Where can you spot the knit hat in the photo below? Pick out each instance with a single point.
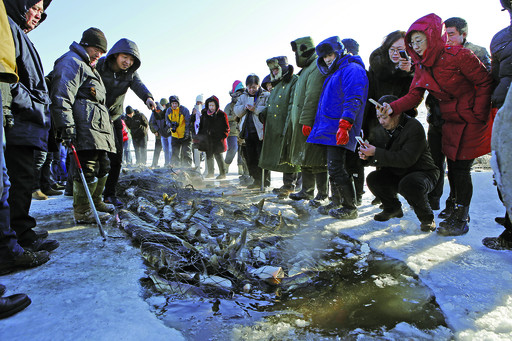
(174, 98)
(95, 38)
(200, 98)
(351, 46)
(237, 85)
(164, 102)
(129, 110)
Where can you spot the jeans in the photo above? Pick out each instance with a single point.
(166, 146)
(232, 149)
(9, 247)
(127, 153)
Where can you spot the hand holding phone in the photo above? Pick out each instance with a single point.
(374, 102)
(403, 54)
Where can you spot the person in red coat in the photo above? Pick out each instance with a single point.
(212, 135)
(463, 86)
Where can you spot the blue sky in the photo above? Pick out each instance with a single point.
(192, 47)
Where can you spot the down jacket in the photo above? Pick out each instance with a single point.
(78, 101)
(501, 52)
(30, 97)
(457, 78)
(213, 129)
(118, 83)
(344, 95)
(260, 103)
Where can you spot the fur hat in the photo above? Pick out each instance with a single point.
(280, 63)
(174, 98)
(328, 46)
(301, 45)
(351, 46)
(95, 38)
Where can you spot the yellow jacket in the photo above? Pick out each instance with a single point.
(7, 54)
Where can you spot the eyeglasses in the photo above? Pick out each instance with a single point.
(393, 51)
(417, 43)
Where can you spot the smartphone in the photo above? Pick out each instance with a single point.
(374, 102)
(359, 140)
(403, 54)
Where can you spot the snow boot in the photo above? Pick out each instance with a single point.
(349, 208)
(322, 186)
(96, 196)
(335, 202)
(389, 213)
(308, 188)
(81, 209)
(427, 223)
(457, 224)
(502, 242)
(449, 208)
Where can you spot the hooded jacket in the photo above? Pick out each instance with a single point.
(30, 97)
(457, 78)
(213, 129)
(344, 95)
(78, 101)
(118, 83)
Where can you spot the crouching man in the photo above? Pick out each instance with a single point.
(404, 165)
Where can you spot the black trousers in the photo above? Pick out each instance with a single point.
(459, 176)
(434, 138)
(414, 187)
(20, 168)
(252, 156)
(116, 160)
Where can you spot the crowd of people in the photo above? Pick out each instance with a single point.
(320, 127)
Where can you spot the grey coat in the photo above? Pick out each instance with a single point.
(78, 101)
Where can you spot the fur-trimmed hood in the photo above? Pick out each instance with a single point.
(328, 46)
(213, 99)
(17, 10)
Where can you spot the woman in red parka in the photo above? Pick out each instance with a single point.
(457, 78)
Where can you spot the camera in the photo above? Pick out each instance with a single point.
(174, 126)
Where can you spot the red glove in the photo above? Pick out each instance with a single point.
(342, 133)
(306, 130)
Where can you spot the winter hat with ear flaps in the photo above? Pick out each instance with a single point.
(328, 46)
(280, 62)
(302, 45)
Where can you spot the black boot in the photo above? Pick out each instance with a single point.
(502, 242)
(427, 223)
(13, 304)
(388, 213)
(308, 187)
(348, 209)
(335, 201)
(457, 224)
(448, 210)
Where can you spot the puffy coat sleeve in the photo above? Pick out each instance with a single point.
(412, 99)
(139, 88)
(311, 97)
(188, 126)
(66, 80)
(239, 108)
(353, 87)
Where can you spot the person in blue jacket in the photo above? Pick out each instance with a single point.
(338, 120)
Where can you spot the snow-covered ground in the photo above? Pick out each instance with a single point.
(90, 289)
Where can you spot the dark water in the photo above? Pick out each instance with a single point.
(351, 291)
